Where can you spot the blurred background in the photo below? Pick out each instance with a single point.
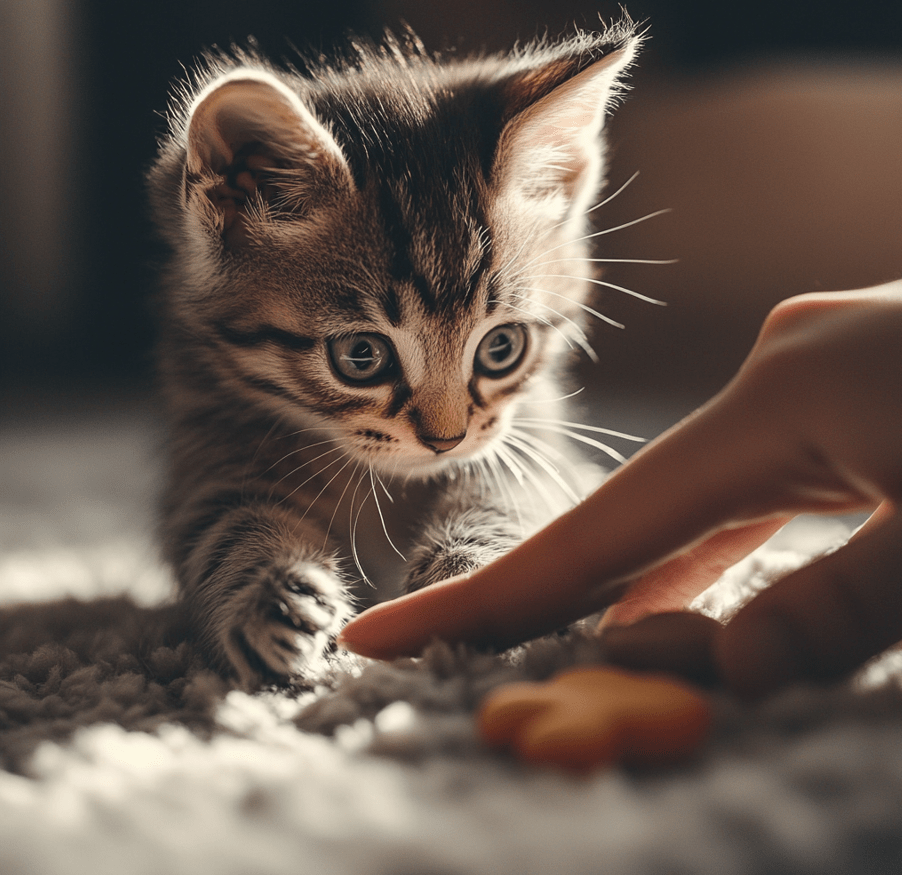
(773, 131)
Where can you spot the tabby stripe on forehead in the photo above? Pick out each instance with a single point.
(391, 304)
(486, 251)
(264, 334)
(399, 234)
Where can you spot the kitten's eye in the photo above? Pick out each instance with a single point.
(500, 350)
(361, 358)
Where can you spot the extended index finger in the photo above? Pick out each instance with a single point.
(705, 474)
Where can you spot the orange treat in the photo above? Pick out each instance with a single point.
(594, 716)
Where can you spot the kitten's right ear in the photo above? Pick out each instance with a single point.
(551, 150)
(252, 143)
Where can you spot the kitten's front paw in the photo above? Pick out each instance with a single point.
(283, 623)
(459, 546)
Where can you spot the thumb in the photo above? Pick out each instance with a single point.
(822, 621)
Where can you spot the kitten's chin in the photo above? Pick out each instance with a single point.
(419, 469)
(415, 467)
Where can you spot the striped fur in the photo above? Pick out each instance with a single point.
(374, 269)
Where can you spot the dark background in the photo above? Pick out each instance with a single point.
(85, 81)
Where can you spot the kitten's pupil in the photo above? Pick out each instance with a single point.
(500, 347)
(362, 356)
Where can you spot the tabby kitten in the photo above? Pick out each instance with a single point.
(375, 273)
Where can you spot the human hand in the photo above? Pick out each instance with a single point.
(812, 423)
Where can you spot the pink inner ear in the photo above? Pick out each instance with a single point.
(230, 198)
(252, 110)
(246, 125)
(554, 143)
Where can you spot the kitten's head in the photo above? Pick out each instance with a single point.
(388, 250)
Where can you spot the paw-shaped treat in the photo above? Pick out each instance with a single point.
(594, 716)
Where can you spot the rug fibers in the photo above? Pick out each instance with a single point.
(122, 752)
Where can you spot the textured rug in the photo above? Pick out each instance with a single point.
(121, 751)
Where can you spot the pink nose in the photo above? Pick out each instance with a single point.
(442, 444)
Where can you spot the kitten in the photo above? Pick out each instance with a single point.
(375, 274)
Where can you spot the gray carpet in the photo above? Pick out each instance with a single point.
(122, 752)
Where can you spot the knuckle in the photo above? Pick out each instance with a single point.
(835, 622)
(798, 310)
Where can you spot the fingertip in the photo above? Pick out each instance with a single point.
(349, 640)
(406, 625)
(344, 642)
(371, 634)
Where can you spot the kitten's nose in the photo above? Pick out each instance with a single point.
(442, 444)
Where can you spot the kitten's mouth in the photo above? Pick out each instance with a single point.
(425, 455)
(416, 463)
(419, 466)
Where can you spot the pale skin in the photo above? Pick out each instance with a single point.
(811, 423)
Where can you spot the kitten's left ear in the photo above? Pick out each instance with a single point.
(250, 137)
(551, 147)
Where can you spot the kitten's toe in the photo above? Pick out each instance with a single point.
(285, 624)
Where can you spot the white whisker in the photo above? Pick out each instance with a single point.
(505, 459)
(605, 283)
(500, 462)
(314, 476)
(338, 504)
(504, 486)
(535, 481)
(599, 205)
(598, 234)
(610, 451)
(548, 450)
(612, 260)
(486, 471)
(523, 443)
(381, 517)
(546, 465)
(292, 434)
(352, 523)
(388, 495)
(537, 422)
(556, 400)
(331, 480)
(611, 197)
(538, 318)
(629, 224)
(581, 338)
(502, 455)
(579, 304)
(294, 452)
